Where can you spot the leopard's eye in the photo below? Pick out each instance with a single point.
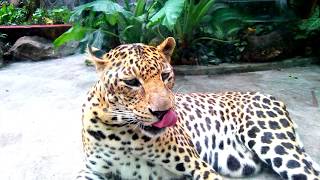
(132, 82)
(165, 76)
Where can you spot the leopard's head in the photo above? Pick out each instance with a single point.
(138, 81)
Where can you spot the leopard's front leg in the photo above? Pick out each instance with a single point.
(175, 152)
(88, 174)
(202, 170)
(193, 166)
(189, 167)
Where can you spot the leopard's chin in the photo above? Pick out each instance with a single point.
(152, 131)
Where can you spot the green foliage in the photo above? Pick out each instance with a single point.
(107, 24)
(141, 21)
(10, 15)
(190, 21)
(187, 19)
(90, 19)
(59, 15)
(75, 33)
(133, 28)
(225, 22)
(193, 15)
(310, 26)
(107, 7)
(39, 16)
(168, 14)
(51, 16)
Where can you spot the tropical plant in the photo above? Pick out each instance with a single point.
(92, 22)
(139, 22)
(190, 24)
(309, 27)
(183, 18)
(224, 22)
(104, 23)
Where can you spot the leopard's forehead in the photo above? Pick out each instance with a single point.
(138, 59)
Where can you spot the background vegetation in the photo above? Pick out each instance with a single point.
(206, 31)
(194, 24)
(26, 14)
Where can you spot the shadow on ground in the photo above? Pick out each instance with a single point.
(41, 107)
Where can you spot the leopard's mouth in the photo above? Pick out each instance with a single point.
(168, 119)
(152, 130)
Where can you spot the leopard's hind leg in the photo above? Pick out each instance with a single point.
(274, 139)
(233, 159)
(285, 156)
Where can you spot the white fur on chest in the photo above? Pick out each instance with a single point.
(130, 167)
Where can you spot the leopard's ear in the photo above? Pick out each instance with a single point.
(95, 56)
(167, 47)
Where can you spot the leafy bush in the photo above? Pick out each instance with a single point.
(51, 16)
(39, 16)
(92, 22)
(182, 18)
(225, 22)
(10, 15)
(138, 22)
(104, 23)
(59, 15)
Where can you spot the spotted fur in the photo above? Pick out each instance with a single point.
(230, 134)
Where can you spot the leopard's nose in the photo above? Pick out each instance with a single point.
(158, 114)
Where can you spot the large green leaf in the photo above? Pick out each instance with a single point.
(224, 14)
(168, 14)
(140, 7)
(106, 6)
(313, 23)
(201, 10)
(218, 32)
(194, 13)
(226, 21)
(75, 33)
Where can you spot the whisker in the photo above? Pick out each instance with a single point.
(126, 115)
(137, 125)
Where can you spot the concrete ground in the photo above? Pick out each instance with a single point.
(40, 111)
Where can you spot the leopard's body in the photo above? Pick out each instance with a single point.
(230, 134)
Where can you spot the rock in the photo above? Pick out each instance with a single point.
(32, 48)
(68, 48)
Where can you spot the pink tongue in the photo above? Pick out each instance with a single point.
(169, 119)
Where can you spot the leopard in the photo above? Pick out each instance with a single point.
(134, 126)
